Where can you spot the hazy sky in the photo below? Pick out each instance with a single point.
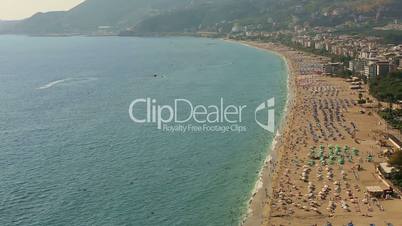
(19, 9)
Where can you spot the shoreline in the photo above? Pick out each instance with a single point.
(267, 176)
(278, 195)
(321, 111)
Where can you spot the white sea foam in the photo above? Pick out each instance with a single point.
(271, 157)
(51, 84)
(58, 82)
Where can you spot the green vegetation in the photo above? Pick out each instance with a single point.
(393, 117)
(211, 15)
(392, 37)
(396, 161)
(388, 88)
(388, 36)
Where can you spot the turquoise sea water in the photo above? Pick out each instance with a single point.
(70, 155)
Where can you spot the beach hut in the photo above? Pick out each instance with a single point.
(386, 170)
(395, 141)
(375, 191)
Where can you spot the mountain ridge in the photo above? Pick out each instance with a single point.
(144, 16)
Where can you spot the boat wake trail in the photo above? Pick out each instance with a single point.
(51, 84)
(69, 80)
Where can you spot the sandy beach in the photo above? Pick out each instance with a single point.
(325, 157)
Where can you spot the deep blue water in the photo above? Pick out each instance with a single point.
(70, 155)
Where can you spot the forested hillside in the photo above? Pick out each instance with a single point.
(191, 15)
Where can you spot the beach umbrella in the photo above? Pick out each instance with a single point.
(341, 160)
(311, 154)
(337, 150)
(320, 153)
(370, 158)
(355, 152)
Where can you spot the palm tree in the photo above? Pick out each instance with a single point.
(391, 100)
(396, 160)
